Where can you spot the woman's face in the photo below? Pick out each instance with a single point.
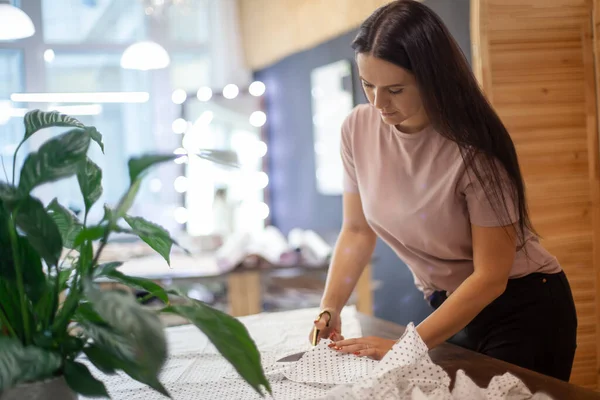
(394, 92)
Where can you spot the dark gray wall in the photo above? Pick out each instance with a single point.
(295, 201)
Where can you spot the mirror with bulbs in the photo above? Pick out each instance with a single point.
(219, 201)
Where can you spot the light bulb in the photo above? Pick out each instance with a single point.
(179, 126)
(49, 55)
(260, 148)
(262, 210)
(181, 215)
(262, 180)
(231, 91)
(258, 119)
(179, 96)
(181, 184)
(204, 93)
(257, 88)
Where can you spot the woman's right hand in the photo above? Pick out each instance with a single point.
(333, 331)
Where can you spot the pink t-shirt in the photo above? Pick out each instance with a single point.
(418, 198)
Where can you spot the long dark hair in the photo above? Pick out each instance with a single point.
(410, 35)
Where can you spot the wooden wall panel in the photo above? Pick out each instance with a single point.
(540, 79)
(289, 26)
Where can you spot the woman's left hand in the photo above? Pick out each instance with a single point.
(370, 346)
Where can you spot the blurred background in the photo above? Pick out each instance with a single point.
(268, 82)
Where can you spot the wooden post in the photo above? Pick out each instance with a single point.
(244, 293)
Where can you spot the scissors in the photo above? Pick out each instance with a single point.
(315, 336)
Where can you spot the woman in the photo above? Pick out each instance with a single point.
(431, 169)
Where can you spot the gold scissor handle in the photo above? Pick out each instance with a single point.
(316, 331)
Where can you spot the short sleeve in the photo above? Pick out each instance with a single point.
(350, 181)
(490, 203)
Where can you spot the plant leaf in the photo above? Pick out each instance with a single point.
(90, 234)
(154, 235)
(139, 283)
(138, 165)
(24, 364)
(36, 120)
(222, 157)
(104, 269)
(95, 136)
(40, 229)
(80, 379)
(127, 200)
(101, 359)
(67, 223)
(90, 183)
(230, 338)
(8, 193)
(33, 275)
(120, 354)
(106, 338)
(139, 325)
(58, 158)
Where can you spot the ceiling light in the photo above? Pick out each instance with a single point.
(102, 97)
(85, 109)
(144, 56)
(14, 23)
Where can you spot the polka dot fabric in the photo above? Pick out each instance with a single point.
(195, 370)
(325, 365)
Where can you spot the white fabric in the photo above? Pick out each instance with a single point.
(195, 370)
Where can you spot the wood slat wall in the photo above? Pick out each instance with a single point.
(535, 61)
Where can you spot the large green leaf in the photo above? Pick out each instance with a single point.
(90, 183)
(230, 338)
(80, 379)
(107, 338)
(36, 120)
(138, 165)
(101, 359)
(40, 229)
(24, 364)
(128, 318)
(58, 158)
(154, 235)
(31, 265)
(138, 283)
(67, 223)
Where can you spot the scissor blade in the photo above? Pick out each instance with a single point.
(291, 358)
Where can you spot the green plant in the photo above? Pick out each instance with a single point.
(40, 338)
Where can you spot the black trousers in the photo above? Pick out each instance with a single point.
(533, 324)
